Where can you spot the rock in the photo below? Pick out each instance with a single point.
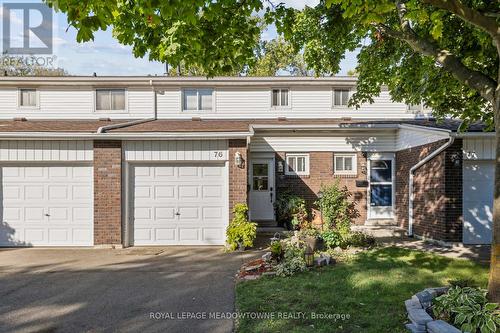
(251, 268)
(327, 258)
(320, 261)
(269, 273)
(439, 326)
(413, 328)
(251, 277)
(412, 303)
(425, 298)
(419, 318)
(266, 256)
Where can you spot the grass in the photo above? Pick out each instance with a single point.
(369, 287)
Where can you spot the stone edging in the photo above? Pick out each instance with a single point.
(420, 320)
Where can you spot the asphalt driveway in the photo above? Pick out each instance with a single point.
(172, 289)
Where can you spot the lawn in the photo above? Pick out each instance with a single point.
(369, 287)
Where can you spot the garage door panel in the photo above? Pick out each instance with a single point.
(172, 204)
(478, 186)
(47, 205)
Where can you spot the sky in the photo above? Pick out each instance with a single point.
(105, 56)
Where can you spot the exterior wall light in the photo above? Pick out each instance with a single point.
(238, 160)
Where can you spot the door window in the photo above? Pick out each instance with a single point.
(381, 183)
(260, 176)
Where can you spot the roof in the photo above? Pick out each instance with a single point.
(66, 126)
(218, 126)
(147, 81)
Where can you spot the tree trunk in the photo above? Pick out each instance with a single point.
(494, 279)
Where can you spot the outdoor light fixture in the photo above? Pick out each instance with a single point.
(309, 257)
(238, 159)
(320, 194)
(280, 166)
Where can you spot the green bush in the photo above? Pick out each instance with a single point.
(360, 239)
(293, 261)
(468, 308)
(332, 239)
(240, 230)
(276, 250)
(291, 210)
(336, 208)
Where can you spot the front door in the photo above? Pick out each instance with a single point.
(381, 188)
(261, 196)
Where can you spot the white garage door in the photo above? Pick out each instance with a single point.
(46, 205)
(478, 201)
(183, 204)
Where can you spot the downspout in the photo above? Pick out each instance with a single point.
(451, 139)
(103, 129)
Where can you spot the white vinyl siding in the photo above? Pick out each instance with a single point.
(345, 164)
(110, 100)
(479, 148)
(297, 164)
(176, 150)
(28, 98)
(197, 100)
(46, 150)
(413, 137)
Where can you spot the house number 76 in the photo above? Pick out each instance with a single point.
(218, 154)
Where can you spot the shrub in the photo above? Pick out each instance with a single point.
(360, 239)
(336, 208)
(293, 261)
(240, 230)
(332, 238)
(467, 308)
(463, 282)
(291, 210)
(276, 250)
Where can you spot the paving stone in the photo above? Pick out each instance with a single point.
(412, 303)
(266, 256)
(414, 329)
(419, 317)
(439, 326)
(425, 298)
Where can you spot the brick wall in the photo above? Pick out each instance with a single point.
(237, 176)
(107, 192)
(437, 205)
(321, 173)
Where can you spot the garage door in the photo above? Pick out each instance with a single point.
(478, 201)
(183, 204)
(46, 205)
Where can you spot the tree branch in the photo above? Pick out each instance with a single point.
(470, 15)
(473, 79)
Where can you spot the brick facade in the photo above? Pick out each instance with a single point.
(437, 207)
(107, 192)
(237, 176)
(321, 173)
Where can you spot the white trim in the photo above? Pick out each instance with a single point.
(379, 157)
(126, 110)
(122, 136)
(354, 158)
(28, 107)
(198, 110)
(289, 99)
(288, 172)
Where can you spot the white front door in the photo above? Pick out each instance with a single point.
(261, 196)
(478, 180)
(179, 204)
(381, 190)
(46, 205)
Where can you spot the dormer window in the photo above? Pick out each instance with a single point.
(340, 97)
(28, 98)
(197, 100)
(110, 100)
(280, 97)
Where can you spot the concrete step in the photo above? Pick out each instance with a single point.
(381, 231)
(269, 230)
(267, 223)
(381, 222)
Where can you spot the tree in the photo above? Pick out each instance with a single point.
(444, 53)
(20, 66)
(278, 55)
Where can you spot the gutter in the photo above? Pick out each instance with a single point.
(122, 136)
(451, 139)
